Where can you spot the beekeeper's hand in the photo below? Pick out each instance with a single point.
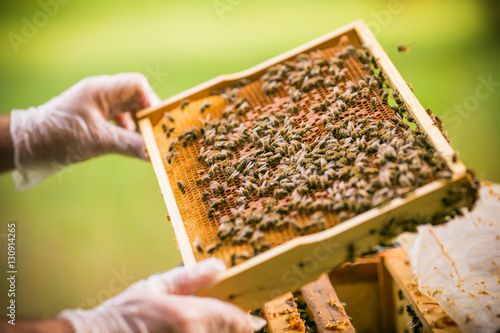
(163, 303)
(74, 126)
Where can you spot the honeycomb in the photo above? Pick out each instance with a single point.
(184, 167)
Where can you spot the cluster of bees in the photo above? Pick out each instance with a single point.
(296, 315)
(320, 148)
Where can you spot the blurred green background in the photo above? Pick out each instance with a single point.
(80, 229)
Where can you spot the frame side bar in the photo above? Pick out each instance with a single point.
(395, 79)
(172, 208)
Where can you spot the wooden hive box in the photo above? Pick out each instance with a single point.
(294, 259)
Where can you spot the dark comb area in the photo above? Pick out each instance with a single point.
(313, 142)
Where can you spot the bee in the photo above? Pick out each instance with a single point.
(261, 191)
(348, 97)
(275, 78)
(316, 70)
(330, 81)
(213, 169)
(169, 117)
(403, 125)
(205, 196)
(337, 62)
(268, 222)
(280, 193)
(397, 98)
(225, 230)
(439, 123)
(210, 212)
(205, 106)
(308, 85)
(318, 216)
(340, 76)
(344, 215)
(446, 174)
(404, 180)
(173, 144)
(384, 94)
(198, 245)
(205, 179)
(217, 203)
(313, 182)
(242, 256)
(373, 103)
(351, 86)
(232, 177)
(318, 107)
(164, 128)
(296, 226)
(262, 247)
(241, 201)
(185, 103)
(169, 131)
(333, 69)
(403, 48)
(336, 92)
(365, 93)
(257, 236)
(296, 96)
(211, 248)
(171, 156)
(292, 108)
(373, 83)
(297, 80)
(399, 143)
(288, 185)
(181, 187)
(350, 157)
(320, 61)
(344, 133)
(269, 87)
(217, 188)
(341, 105)
(243, 108)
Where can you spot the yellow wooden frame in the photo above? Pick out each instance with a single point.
(301, 260)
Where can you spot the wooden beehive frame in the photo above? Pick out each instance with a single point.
(395, 270)
(300, 260)
(321, 302)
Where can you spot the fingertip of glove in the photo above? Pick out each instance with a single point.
(215, 263)
(212, 266)
(256, 323)
(150, 98)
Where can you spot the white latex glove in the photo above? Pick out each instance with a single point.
(162, 303)
(74, 126)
